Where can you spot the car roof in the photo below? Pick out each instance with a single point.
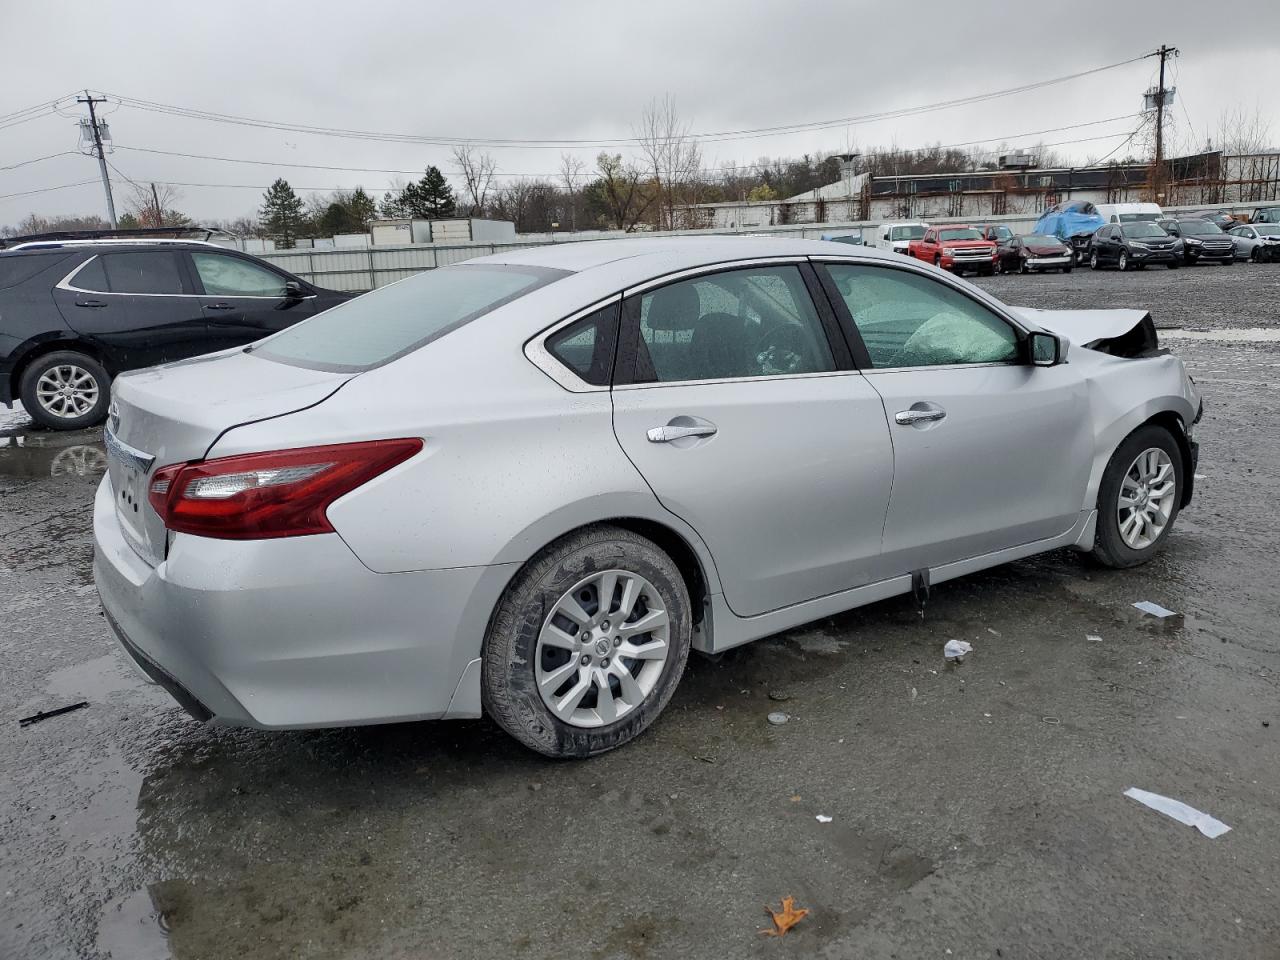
(111, 243)
(668, 254)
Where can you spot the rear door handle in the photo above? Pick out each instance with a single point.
(91, 303)
(219, 306)
(668, 433)
(908, 417)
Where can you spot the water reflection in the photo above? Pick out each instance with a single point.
(25, 452)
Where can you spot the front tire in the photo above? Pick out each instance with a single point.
(1139, 498)
(1093, 260)
(1123, 262)
(587, 644)
(65, 390)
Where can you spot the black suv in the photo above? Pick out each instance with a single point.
(1202, 241)
(1133, 245)
(74, 314)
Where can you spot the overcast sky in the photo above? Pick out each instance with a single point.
(585, 71)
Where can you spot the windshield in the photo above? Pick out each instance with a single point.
(1142, 230)
(1198, 228)
(1040, 240)
(906, 233)
(1001, 233)
(959, 234)
(394, 320)
(1136, 217)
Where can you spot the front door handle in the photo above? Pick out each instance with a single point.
(219, 306)
(91, 303)
(908, 417)
(668, 433)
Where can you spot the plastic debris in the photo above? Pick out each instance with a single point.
(822, 818)
(1146, 606)
(1052, 721)
(1179, 811)
(914, 693)
(1093, 638)
(779, 696)
(778, 718)
(784, 919)
(46, 714)
(956, 649)
(994, 633)
(1200, 476)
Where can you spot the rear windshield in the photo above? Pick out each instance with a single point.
(1198, 228)
(906, 233)
(965, 234)
(1142, 230)
(1137, 217)
(394, 320)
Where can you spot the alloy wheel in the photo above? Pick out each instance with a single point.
(1124, 261)
(1093, 260)
(67, 391)
(602, 648)
(1146, 498)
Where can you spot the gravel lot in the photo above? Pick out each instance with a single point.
(976, 811)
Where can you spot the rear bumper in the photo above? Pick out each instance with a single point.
(294, 632)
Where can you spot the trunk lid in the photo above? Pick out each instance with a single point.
(174, 413)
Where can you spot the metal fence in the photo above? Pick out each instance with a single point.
(370, 267)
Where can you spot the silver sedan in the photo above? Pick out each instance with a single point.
(1256, 242)
(529, 484)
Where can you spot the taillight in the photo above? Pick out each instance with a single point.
(284, 493)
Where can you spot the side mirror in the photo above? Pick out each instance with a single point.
(1045, 349)
(293, 290)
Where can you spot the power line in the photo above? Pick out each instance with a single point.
(24, 163)
(560, 143)
(64, 186)
(555, 175)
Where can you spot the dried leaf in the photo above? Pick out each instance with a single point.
(784, 919)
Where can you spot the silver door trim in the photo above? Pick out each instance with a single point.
(535, 350)
(66, 284)
(775, 376)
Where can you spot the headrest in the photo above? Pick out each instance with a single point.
(674, 308)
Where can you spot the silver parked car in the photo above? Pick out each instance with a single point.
(1256, 242)
(527, 485)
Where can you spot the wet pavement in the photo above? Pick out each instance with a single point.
(976, 810)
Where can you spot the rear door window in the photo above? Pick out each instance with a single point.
(157, 272)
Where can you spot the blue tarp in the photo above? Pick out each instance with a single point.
(1067, 220)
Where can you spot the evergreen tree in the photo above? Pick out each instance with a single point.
(429, 197)
(282, 216)
(362, 208)
(391, 207)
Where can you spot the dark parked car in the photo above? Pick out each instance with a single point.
(1134, 245)
(1202, 241)
(1035, 253)
(73, 314)
(1223, 221)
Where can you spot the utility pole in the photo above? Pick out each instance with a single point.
(1160, 97)
(155, 198)
(101, 154)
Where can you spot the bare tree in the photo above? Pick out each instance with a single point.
(571, 171)
(625, 195)
(152, 205)
(477, 171)
(673, 156)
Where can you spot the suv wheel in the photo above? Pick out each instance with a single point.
(1093, 260)
(587, 644)
(1123, 262)
(65, 390)
(1139, 498)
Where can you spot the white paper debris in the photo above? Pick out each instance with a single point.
(956, 649)
(1179, 811)
(1146, 606)
(1093, 638)
(1200, 476)
(822, 818)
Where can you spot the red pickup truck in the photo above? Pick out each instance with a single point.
(957, 248)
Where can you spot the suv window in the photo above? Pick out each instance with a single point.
(909, 320)
(224, 276)
(586, 346)
(756, 322)
(141, 272)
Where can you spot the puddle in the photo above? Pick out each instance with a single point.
(133, 928)
(1241, 335)
(31, 453)
(97, 679)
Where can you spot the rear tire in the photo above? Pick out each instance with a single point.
(1111, 546)
(1123, 262)
(65, 390)
(531, 637)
